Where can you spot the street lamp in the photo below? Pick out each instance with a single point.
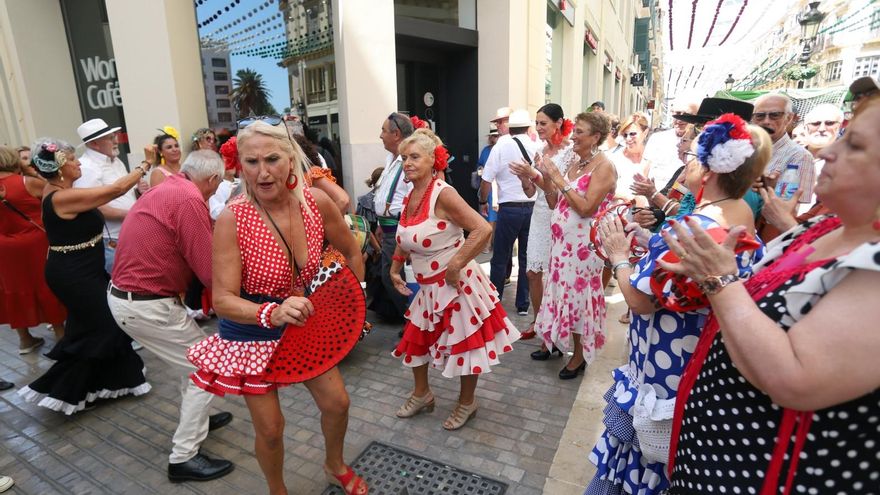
(729, 82)
(809, 21)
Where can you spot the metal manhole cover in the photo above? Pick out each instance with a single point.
(392, 471)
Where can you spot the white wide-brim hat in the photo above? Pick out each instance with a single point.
(520, 118)
(94, 129)
(501, 113)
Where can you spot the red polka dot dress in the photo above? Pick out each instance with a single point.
(460, 330)
(234, 360)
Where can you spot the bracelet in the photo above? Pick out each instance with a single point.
(617, 265)
(264, 314)
(653, 195)
(668, 202)
(141, 170)
(483, 202)
(401, 259)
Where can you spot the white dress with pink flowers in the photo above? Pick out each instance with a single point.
(574, 300)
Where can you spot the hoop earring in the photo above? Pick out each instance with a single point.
(292, 181)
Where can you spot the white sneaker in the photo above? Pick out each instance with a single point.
(6, 483)
(136, 346)
(523, 312)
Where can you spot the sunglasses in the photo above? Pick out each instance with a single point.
(395, 120)
(690, 155)
(828, 123)
(757, 116)
(269, 119)
(630, 134)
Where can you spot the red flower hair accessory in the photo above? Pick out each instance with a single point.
(567, 126)
(418, 123)
(229, 152)
(441, 158)
(561, 132)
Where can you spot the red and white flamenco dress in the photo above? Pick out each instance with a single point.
(234, 360)
(460, 330)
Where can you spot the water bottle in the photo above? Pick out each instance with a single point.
(789, 182)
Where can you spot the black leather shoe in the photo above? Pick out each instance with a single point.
(219, 420)
(540, 355)
(567, 374)
(6, 385)
(199, 468)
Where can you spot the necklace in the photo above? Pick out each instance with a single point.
(416, 214)
(586, 161)
(295, 272)
(701, 206)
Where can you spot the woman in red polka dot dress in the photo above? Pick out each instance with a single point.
(267, 247)
(456, 322)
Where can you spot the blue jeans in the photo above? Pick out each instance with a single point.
(512, 225)
(109, 255)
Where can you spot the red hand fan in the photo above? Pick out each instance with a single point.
(684, 294)
(328, 335)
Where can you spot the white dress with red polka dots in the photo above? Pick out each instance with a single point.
(459, 330)
(228, 363)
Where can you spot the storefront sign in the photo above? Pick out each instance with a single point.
(94, 66)
(617, 74)
(565, 8)
(609, 62)
(637, 79)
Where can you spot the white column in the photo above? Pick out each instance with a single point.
(366, 81)
(37, 88)
(573, 64)
(156, 46)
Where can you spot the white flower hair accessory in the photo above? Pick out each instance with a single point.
(725, 144)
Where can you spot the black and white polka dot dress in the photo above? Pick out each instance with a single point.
(729, 428)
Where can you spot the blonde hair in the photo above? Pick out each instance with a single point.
(288, 146)
(634, 119)
(425, 139)
(9, 160)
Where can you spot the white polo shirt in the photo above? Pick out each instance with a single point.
(497, 167)
(98, 170)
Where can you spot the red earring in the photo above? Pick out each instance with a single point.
(292, 181)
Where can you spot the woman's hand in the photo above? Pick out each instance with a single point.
(643, 186)
(294, 310)
(400, 284)
(779, 212)
(521, 170)
(615, 240)
(453, 274)
(151, 155)
(700, 255)
(645, 218)
(642, 235)
(548, 170)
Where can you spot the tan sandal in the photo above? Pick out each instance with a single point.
(415, 405)
(460, 415)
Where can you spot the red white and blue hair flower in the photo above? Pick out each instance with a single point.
(725, 144)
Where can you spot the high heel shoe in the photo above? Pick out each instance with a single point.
(543, 355)
(460, 415)
(359, 487)
(415, 405)
(567, 374)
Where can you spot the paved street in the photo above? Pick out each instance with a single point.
(121, 446)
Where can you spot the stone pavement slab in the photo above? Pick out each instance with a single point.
(121, 446)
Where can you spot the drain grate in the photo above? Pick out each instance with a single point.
(391, 471)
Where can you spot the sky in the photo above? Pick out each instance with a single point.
(275, 77)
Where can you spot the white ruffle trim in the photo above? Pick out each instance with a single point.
(30, 395)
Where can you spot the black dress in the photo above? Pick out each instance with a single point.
(94, 359)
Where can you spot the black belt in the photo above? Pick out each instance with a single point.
(134, 296)
(517, 204)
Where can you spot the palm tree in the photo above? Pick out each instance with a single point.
(250, 96)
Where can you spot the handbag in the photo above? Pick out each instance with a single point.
(652, 417)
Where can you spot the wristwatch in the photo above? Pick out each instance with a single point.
(566, 189)
(713, 284)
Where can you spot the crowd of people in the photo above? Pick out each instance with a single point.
(723, 233)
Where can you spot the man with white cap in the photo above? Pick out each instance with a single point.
(502, 115)
(514, 206)
(101, 167)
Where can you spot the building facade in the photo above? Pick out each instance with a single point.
(217, 73)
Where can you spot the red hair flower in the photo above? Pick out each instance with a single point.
(418, 123)
(567, 126)
(229, 152)
(441, 158)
